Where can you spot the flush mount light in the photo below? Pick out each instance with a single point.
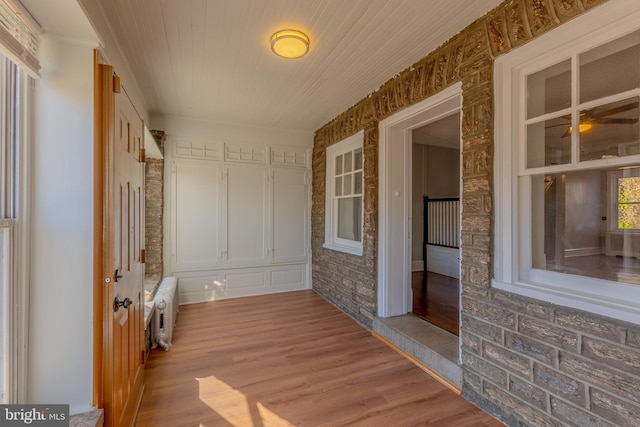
(290, 43)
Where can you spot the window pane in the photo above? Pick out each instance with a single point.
(350, 219)
(358, 159)
(612, 130)
(339, 165)
(9, 99)
(611, 68)
(549, 142)
(569, 228)
(358, 183)
(348, 161)
(5, 331)
(339, 186)
(348, 189)
(629, 203)
(549, 90)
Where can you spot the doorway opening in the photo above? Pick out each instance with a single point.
(435, 208)
(398, 234)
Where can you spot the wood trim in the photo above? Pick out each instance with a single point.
(103, 247)
(428, 370)
(98, 213)
(107, 242)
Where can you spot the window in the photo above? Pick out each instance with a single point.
(344, 195)
(14, 101)
(19, 36)
(628, 202)
(567, 162)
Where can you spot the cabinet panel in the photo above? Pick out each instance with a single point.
(290, 215)
(245, 214)
(195, 203)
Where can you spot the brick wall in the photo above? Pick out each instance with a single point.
(529, 362)
(154, 205)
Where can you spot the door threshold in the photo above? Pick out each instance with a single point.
(434, 348)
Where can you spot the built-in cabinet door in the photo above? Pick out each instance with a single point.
(245, 214)
(196, 214)
(289, 201)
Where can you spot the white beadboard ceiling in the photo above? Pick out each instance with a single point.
(211, 59)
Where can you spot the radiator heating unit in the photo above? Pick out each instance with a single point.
(166, 311)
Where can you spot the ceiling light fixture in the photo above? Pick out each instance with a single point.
(290, 43)
(584, 126)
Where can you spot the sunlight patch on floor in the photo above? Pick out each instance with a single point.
(233, 405)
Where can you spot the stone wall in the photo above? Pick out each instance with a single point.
(527, 361)
(154, 205)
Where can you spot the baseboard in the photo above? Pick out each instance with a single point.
(581, 252)
(417, 265)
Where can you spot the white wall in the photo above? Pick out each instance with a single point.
(178, 128)
(61, 302)
(109, 48)
(245, 268)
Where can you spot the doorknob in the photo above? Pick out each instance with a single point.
(126, 303)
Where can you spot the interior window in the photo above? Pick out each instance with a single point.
(571, 199)
(628, 203)
(567, 167)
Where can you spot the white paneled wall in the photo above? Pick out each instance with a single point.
(238, 218)
(245, 214)
(289, 226)
(196, 201)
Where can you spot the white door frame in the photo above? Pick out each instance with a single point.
(394, 198)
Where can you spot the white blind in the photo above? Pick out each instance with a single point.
(5, 309)
(19, 35)
(8, 142)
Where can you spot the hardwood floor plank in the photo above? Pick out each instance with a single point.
(289, 359)
(436, 299)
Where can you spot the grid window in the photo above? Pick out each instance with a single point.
(344, 201)
(568, 168)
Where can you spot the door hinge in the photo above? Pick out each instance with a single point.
(143, 256)
(143, 155)
(116, 84)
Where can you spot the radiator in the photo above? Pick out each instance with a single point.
(621, 243)
(166, 311)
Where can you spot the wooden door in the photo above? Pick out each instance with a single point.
(123, 256)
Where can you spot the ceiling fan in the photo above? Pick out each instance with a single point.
(592, 116)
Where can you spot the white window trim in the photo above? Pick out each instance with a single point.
(17, 230)
(19, 36)
(331, 240)
(614, 299)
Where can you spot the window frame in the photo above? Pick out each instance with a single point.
(513, 271)
(15, 238)
(613, 214)
(331, 239)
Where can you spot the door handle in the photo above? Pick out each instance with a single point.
(117, 275)
(126, 303)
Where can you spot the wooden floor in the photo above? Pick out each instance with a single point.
(614, 268)
(289, 359)
(438, 300)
